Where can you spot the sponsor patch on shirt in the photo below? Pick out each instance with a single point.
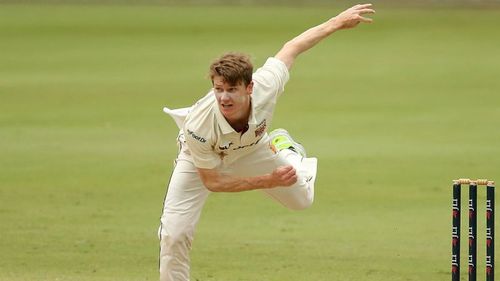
(261, 128)
(196, 137)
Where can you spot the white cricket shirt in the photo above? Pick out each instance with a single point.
(212, 142)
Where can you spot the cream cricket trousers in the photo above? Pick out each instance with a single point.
(186, 196)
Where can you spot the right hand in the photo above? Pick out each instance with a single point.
(284, 176)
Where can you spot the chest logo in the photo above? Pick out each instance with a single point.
(261, 128)
(225, 146)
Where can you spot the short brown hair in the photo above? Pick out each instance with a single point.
(233, 67)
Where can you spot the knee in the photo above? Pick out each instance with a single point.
(173, 242)
(176, 239)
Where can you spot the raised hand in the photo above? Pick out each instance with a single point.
(353, 16)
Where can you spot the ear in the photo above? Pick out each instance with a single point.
(250, 88)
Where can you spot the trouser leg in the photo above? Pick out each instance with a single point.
(181, 211)
(264, 160)
(301, 194)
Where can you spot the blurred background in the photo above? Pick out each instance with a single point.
(394, 111)
(341, 3)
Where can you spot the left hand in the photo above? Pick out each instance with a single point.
(353, 16)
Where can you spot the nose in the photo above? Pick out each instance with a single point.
(225, 97)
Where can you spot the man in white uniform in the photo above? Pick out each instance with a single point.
(224, 145)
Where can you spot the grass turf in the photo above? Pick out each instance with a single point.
(394, 111)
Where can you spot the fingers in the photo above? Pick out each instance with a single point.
(366, 11)
(286, 175)
(290, 174)
(363, 9)
(366, 20)
(290, 179)
(286, 172)
(363, 6)
(285, 169)
(360, 10)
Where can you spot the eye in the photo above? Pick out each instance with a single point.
(217, 90)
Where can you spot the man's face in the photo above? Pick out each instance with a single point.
(233, 100)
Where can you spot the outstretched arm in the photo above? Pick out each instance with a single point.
(347, 19)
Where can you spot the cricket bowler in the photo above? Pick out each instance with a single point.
(224, 145)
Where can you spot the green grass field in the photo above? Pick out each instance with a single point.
(394, 111)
